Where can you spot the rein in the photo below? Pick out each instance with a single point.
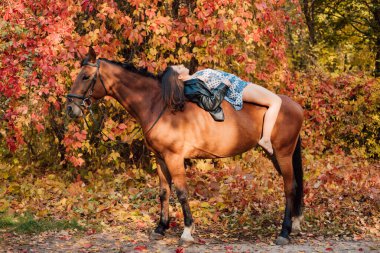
(99, 124)
(87, 103)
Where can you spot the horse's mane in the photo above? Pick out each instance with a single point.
(172, 89)
(132, 68)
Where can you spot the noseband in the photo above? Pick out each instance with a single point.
(86, 97)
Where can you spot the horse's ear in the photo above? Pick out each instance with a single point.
(91, 55)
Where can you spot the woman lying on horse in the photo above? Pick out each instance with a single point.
(208, 87)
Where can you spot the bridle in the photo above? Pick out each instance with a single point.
(87, 103)
(86, 97)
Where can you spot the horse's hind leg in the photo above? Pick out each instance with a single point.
(165, 182)
(176, 168)
(298, 176)
(285, 164)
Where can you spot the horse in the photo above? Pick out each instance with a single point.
(192, 133)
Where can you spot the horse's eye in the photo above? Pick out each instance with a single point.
(86, 77)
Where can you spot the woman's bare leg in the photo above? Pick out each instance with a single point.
(259, 95)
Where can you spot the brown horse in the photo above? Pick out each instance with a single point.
(192, 133)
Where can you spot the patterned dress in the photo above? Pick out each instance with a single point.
(213, 78)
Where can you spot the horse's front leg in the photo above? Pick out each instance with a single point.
(176, 168)
(165, 183)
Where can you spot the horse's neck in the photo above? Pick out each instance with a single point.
(139, 95)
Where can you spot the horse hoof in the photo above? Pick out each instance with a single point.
(186, 241)
(281, 241)
(156, 236)
(296, 229)
(296, 226)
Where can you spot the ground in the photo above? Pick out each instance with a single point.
(108, 242)
(116, 212)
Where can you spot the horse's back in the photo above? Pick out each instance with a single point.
(194, 134)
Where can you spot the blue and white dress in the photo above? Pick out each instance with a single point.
(213, 78)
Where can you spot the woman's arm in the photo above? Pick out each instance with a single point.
(197, 92)
(210, 103)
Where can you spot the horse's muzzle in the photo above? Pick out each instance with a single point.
(73, 111)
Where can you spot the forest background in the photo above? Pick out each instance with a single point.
(323, 54)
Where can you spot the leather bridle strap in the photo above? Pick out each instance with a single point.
(90, 89)
(86, 98)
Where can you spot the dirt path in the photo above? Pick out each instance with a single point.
(119, 243)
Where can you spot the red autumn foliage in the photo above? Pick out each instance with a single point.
(42, 43)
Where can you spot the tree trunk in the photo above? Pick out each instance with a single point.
(377, 58)
(175, 8)
(308, 11)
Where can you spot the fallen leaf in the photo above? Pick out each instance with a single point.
(180, 250)
(201, 241)
(140, 248)
(90, 231)
(87, 245)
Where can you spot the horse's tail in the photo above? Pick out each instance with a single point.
(298, 176)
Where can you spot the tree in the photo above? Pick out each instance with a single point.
(335, 23)
(40, 47)
(308, 8)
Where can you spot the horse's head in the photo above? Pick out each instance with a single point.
(88, 86)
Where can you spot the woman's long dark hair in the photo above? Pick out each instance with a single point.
(172, 90)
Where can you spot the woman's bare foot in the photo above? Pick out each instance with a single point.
(267, 145)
